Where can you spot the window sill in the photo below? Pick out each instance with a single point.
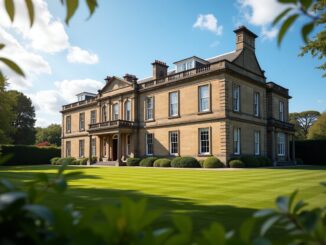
(236, 111)
(204, 155)
(204, 112)
(174, 117)
(150, 120)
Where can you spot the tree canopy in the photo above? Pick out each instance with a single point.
(302, 122)
(318, 130)
(51, 134)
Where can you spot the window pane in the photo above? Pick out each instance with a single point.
(174, 143)
(149, 144)
(174, 104)
(149, 107)
(204, 141)
(203, 98)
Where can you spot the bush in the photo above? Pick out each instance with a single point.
(162, 162)
(133, 161)
(250, 161)
(83, 161)
(54, 160)
(236, 163)
(264, 161)
(213, 162)
(201, 163)
(148, 162)
(68, 160)
(185, 162)
(94, 159)
(27, 155)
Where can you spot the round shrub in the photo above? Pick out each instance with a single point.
(148, 162)
(185, 162)
(250, 161)
(201, 163)
(83, 161)
(236, 164)
(213, 162)
(54, 160)
(94, 159)
(264, 161)
(133, 161)
(68, 160)
(175, 163)
(162, 162)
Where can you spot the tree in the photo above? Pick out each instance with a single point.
(318, 130)
(314, 11)
(303, 121)
(6, 114)
(24, 119)
(51, 134)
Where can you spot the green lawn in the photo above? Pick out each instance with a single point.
(227, 196)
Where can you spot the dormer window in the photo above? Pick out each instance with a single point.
(85, 96)
(189, 63)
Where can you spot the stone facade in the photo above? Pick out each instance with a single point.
(220, 106)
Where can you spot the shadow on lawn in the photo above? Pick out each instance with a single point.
(302, 167)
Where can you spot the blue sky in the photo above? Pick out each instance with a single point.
(125, 36)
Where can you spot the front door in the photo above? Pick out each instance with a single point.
(114, 149)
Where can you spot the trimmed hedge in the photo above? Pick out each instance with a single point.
(253, 161)
(27, 155)
(185, 162)
(148, 162)
(236, 164)
(133, 161)
(212, 162)
(311, 152)
(162, 162)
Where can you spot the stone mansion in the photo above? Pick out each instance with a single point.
(221, 106)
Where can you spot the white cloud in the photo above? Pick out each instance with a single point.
(48, 102)
(31, 63)
(78, 55)
(262, 13)
(208, 22)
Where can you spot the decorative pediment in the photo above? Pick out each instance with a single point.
(248, 60)
(115, 83)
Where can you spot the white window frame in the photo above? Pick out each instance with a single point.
(174, 143)
(237, 141)
(280, 144)
(115, 111)
(82, 121)
(93, 116)
(128, 144)
(174, 105)
(257, 143)
(149, 144)
(104, 113)
(128, 110)
(68, 124)
(93, 146)
(281, 111)
(236, 98)
(257, 104)
(68, 148)
(207, 140)
(150, 109)
(204, 100)
(81, 148)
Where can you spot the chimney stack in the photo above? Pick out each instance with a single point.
(160, 69)
(130, 78)
(245, 39)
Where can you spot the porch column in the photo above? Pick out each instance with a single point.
(293, 150)
(90, 151)
(288, 136)
(119, 155)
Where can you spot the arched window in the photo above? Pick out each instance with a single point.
(128, 110)
(104, 117)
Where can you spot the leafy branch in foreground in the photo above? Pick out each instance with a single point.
(314, 11)
(71, 7)
(24, 219)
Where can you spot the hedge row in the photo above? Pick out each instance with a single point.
(27, 155)
(311, 152)
(210, 162)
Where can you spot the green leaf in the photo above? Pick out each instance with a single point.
(72, 6)
(306, 3)
(10, 198)
(183, 224)
(291, 200)
(280, 16)
(92, 4)
(60, 185)
(10, 8)
(246, 229)
(30, 9)
(7, 184)
(286, 25)
(282, 203)
(42, 177)
(40, 212)
(261, 241)
(305, 31)
(215, 234)
(268, 224)
(287, 1)
(299, 206)
(263, 213)
(2, 45)
(62, 168)
(13, 66)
